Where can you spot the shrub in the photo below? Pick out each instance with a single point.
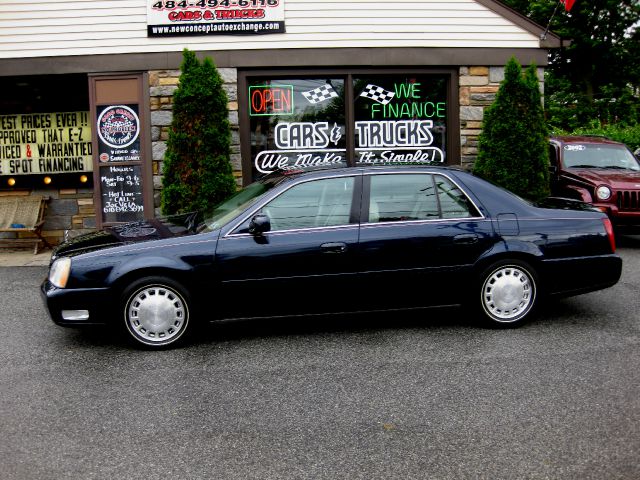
(197, 167)
(512, 148)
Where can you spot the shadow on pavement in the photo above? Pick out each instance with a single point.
(627, 241)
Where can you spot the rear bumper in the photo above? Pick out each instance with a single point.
(97, 302)
(574, 276)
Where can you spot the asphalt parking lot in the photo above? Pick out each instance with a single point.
(419, 395)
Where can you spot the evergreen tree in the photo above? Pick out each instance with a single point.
(197, 167)
(595, 76)
(512, 148)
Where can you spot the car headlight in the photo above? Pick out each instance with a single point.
(603, 192)
(59, 272)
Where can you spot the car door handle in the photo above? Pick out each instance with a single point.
(465, 238)
(334, 247)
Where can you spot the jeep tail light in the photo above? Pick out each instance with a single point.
(609, 229)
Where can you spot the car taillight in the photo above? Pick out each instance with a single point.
(609, 229)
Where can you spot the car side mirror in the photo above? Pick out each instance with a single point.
(637, 153)
(259, 224)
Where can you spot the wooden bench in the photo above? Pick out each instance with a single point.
(19, 214)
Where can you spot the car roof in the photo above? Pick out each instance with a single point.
(339, 171)
(594, 139)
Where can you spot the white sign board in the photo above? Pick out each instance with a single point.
(167, 18)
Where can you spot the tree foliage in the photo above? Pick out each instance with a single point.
(512, 148)
(197, 168)
(597, 76)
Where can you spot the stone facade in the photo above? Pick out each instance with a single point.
(478, 86)
(162, 85)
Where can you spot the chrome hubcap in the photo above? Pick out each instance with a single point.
(157, 314)
(508, 294)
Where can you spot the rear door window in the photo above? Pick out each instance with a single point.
(415, 197)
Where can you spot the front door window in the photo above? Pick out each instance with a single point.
(319, 203)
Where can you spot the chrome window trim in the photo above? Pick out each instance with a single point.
(369, 225)
(529, 219)
(298, 230)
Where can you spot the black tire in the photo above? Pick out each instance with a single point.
(507, 293)
(156, 312)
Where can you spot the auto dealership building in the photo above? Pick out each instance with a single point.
(86, 89)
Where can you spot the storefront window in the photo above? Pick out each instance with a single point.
(296, 123)
(400, 119)
(381, 118)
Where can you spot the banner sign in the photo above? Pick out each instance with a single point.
(166, 18)
(45, 143)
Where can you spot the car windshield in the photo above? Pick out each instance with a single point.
(234, 205)
(615, 157)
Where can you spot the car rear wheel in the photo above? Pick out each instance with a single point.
(508, 293)
(156, 312)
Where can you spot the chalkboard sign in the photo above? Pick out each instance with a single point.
(121, 191)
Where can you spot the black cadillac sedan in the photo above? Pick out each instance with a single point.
(341, 240)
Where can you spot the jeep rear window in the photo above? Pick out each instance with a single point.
(615, 157)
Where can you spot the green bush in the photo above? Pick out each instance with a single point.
(197, 168)
(512, 148)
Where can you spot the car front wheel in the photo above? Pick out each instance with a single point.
(508, 293)
(156, 312)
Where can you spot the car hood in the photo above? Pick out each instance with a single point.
(127, 233)
(618, 179)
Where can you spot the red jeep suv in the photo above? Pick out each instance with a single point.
(599, 171)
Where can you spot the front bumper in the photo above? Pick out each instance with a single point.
(97, 302)
(620, 218)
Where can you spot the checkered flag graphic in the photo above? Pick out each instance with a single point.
(377, 94)
(320, 94)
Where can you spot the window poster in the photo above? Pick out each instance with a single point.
(118, 128)
(400, 119)
(296, 123)
(45, 143)
(301, 122)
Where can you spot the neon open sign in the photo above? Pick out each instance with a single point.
(271, 100)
